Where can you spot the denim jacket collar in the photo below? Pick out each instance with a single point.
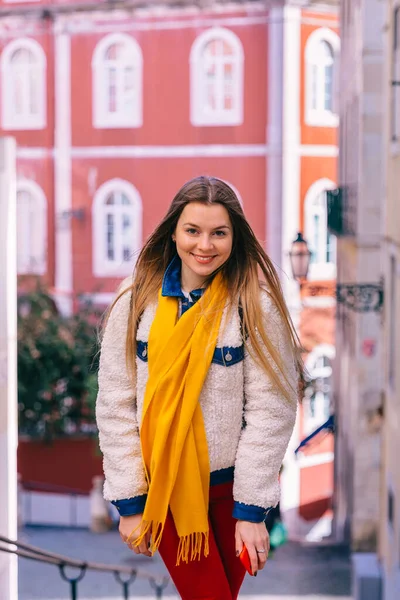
(171, 285)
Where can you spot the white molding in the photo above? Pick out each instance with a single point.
(8, 367)
(319, 150)
(319, 301)
(26, 121)
(189, 151)
(220, 117)
(87, 26)
(169, 151)
(103, 119)
(62, 171)
(291, 143)
(320, 117)
(36, 264)
(117, 267)
(273, 148)
(290, 480)
(313, 460)
(273, 211)
(27, 153)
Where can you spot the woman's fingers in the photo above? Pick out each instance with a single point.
(253, 558)
(238, 542)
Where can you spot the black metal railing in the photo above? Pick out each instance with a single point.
(125, 576)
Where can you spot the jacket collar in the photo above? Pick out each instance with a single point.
(171, 285)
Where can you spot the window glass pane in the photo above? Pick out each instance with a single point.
(110, 237)
(314, 86)
(22, 56)
(228, 72)
(112, 90)
(227, 49)
(331, 248)
(110, 199)
(34, 91)
(124, 200)
(113, 52)
(328, 96)
(325, 53)
(19, 92)
(126, 237)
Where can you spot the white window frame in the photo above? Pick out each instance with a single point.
(101, 266)
(312, 422)
(102, 118)
(320, 117)
(198, 115)
(320, 269)
(11, 120)
(34, 265)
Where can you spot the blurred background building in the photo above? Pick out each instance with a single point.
(365, 216)
(114, 106)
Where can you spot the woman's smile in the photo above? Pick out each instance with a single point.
(203, 238)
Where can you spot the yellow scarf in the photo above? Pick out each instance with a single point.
(173, 437)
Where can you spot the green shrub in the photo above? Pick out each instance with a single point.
(57, 368)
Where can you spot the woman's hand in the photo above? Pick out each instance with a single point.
(256, 539)
(129, 524)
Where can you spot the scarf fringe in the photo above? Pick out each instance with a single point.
(192, 544)
(156, 529)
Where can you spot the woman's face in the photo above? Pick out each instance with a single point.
(203, 237)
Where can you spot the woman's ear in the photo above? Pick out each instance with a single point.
(173, 238)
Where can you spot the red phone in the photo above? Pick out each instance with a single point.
(245, 558)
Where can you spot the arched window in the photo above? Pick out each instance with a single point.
(117, 82)
(23, 76)
(31, 228)
(216, 76)
(321, 242)
(322, 55)
(117, 228)
(318, 391)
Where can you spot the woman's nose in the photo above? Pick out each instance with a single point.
(204, 243)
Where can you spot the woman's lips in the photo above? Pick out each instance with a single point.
(203, 260)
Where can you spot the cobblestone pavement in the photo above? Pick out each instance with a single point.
(295, 572)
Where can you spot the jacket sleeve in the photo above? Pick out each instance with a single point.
(269, 420)
(116, 413)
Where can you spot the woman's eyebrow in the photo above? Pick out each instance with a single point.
(197, 226)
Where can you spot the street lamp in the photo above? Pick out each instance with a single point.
(359, 297)
(300, 256)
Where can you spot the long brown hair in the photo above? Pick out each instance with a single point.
(241, 272)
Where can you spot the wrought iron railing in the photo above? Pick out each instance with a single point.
(125, 576)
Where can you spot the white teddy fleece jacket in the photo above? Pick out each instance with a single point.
(248, 422)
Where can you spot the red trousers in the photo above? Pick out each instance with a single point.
(221, 574)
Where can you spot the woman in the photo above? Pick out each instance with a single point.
(198, 393)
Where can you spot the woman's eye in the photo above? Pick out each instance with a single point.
(191, 230)
(220, 233)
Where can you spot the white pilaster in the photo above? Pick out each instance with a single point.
(8, 365)
(290, 224)
(274, 137)
(62, 169)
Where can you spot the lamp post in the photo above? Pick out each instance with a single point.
(300, 257)
(359, 297)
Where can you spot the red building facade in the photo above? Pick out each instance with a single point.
(114, 109)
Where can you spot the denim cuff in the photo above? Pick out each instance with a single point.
(130, 506)
(249, 512)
